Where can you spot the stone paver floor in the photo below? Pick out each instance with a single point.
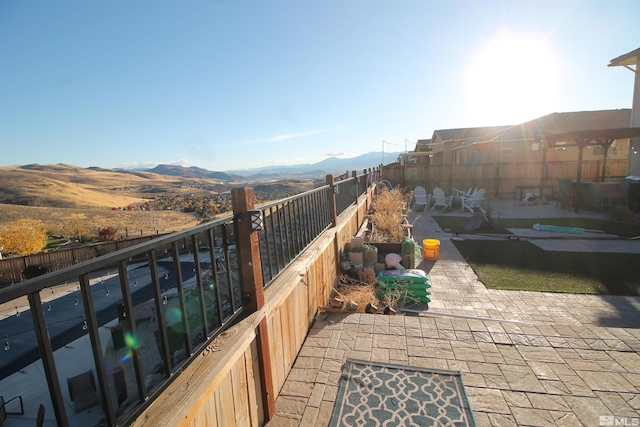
(527, 358)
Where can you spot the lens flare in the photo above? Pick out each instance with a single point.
(126, 357)
(174, 315)
(130, 340)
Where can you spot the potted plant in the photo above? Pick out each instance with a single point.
(369, 255)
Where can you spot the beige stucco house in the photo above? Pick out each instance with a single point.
(523, 142)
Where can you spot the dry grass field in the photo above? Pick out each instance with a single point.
(72, 186)
(55, 193)
(96, 217)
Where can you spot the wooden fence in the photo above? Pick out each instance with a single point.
(11, 269)
(500, 180)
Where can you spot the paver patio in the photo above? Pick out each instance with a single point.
(527, 358)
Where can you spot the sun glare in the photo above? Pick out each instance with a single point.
(511, 80)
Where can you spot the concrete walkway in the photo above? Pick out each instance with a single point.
(527, 358)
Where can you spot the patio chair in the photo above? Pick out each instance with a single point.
(40, 419)
(3, 409)
(120, 384)
(461, 194)
(421, 199)
(474, 201)
(82, 390)
(440, 200)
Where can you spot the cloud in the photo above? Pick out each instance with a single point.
(151, 164)
(285, 136)
(341, 154)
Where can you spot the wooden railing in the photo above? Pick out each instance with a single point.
(235, 382)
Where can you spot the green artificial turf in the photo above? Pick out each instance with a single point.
(521, 265)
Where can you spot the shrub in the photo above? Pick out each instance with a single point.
(86, 238)
(107, 233)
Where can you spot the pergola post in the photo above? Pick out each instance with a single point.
(543, 173)
(576, 199)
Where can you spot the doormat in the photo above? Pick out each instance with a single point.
(376, 394)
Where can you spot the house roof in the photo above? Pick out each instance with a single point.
(598, 136)
(551, 124)
(562, 123)
(468, 133)
(631, 58)
(423, 145)
(559, 123)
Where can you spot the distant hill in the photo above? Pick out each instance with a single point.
(192, 172)
(332, 165)
(66, 186)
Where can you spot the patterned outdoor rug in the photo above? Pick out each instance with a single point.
(377, 394)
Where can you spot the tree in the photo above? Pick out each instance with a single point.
(24, 236)
(76, 226)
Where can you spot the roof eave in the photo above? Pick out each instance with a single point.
(631, 58)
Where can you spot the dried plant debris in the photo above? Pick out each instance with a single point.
(387, 215)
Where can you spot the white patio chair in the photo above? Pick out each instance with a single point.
(421, 199)
(460, 194)
(440, 200)
(474, 201)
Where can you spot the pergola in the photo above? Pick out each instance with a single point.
(627, 61)
(582, 139)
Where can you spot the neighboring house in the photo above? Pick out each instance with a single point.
(420, 155)
(522, 143)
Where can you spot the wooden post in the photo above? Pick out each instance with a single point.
(332, 200)
(248, 247)
(354, 175)
(356, 190)
(576, 199)
(543, 174)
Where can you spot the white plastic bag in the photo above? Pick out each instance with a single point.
(392, 261)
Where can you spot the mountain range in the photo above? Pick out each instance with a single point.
(332, 165)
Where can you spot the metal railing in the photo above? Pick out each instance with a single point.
(133, 317)
(136, 317)
(290, 225)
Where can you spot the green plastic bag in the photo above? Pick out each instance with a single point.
(410, 252)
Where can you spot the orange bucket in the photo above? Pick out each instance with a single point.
(431, 249)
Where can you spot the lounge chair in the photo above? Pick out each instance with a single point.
(473, 202)
(421, 199)
(440, 200)
(82, 390)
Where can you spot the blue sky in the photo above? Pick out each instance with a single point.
(236, 84)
